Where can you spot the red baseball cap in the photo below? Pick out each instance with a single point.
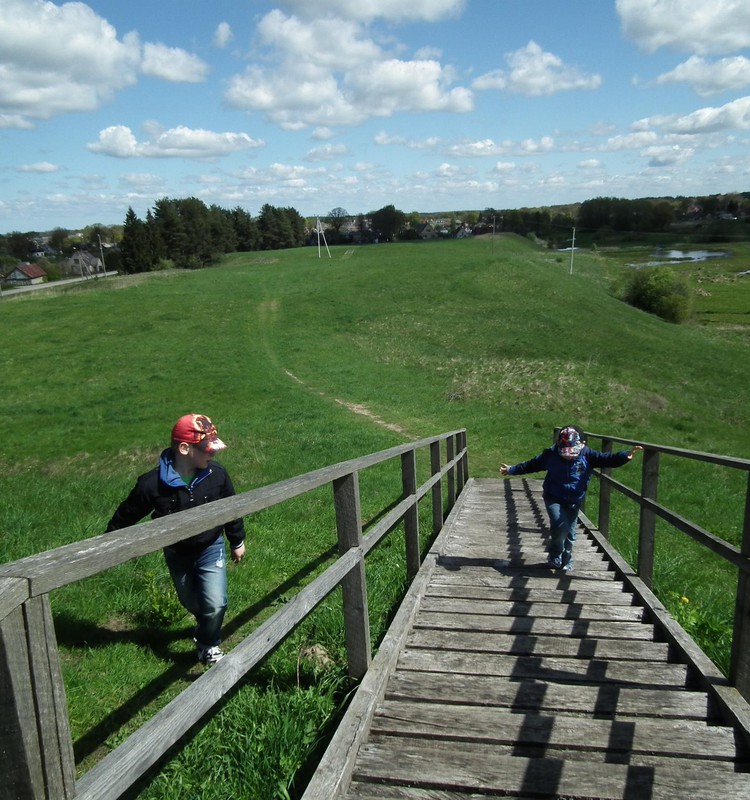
(197, 429)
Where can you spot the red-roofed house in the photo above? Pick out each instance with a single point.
(26, 274)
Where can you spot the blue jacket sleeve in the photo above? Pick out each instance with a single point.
(597, 459)
(536, 464)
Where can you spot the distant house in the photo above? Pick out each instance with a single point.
(26, 274)
(83, 263)
(426, 231)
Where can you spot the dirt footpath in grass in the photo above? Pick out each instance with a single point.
(358, 408)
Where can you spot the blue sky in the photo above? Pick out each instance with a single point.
(431, 105)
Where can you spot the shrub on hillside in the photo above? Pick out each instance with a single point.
(660, 291)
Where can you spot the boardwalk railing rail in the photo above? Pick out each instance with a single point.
(36, 751)
(651, 509)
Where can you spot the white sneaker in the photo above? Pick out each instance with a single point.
(210, 655)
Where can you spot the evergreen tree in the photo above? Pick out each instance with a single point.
(245, 229)
(135, 251)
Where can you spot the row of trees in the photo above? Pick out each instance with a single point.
(188, 234)
(603, 215)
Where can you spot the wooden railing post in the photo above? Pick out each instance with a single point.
(739, 671)
(605, 494)
(450, 454)
(36, 752)
(354, 586)
(437, 489)
(463, 467)
(647, 525)
(411, 518)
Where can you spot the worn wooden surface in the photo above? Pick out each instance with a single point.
(512, 679)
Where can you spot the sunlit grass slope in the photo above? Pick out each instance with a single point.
(305, 361)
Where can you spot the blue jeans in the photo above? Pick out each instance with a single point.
(562, 523)
(201, 583)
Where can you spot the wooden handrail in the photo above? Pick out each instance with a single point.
(36, 753)
(651, 509)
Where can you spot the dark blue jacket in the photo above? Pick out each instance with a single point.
(566, 481)
(162, 491)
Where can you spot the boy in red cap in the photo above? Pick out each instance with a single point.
(569, 464)
(185, 478)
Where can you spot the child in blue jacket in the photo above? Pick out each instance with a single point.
(569, 464)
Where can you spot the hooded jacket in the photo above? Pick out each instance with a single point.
(567, 479)
(162, 491)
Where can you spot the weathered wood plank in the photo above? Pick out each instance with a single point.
(583, 596)
(354, 585)
(599, 629)
(525, 645)
(456, 765)
(379, 791)
(524, 609)
(603, 701)
(565, 670)
(491, 725)
(50, 701)
(20, 751)
(13, 592)
(495, 579)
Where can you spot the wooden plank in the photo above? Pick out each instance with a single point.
(585, 595)
(526, 645)
(13, 592)
(600, 701)
(354, 585)
(565, 670)
(492, 725)
(379, 791)
(599, 629)
(20, 751)
(458, 766)
(493, 579)
(523, 609)
(49, 697)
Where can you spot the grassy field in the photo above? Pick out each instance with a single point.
(305, 361)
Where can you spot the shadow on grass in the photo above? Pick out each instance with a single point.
(74, 633)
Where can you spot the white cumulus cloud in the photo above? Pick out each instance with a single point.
(731, 116)
(60, 59)
(694, 26)
(709, 78)
(172, 64)
(533, 71)
(180, 142)
(326, 72)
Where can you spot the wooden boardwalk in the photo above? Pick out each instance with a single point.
(503, 678)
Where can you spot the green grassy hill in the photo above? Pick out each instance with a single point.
(302, 362)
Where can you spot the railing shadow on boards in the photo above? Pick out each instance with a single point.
(651, 509)
(36, 752)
